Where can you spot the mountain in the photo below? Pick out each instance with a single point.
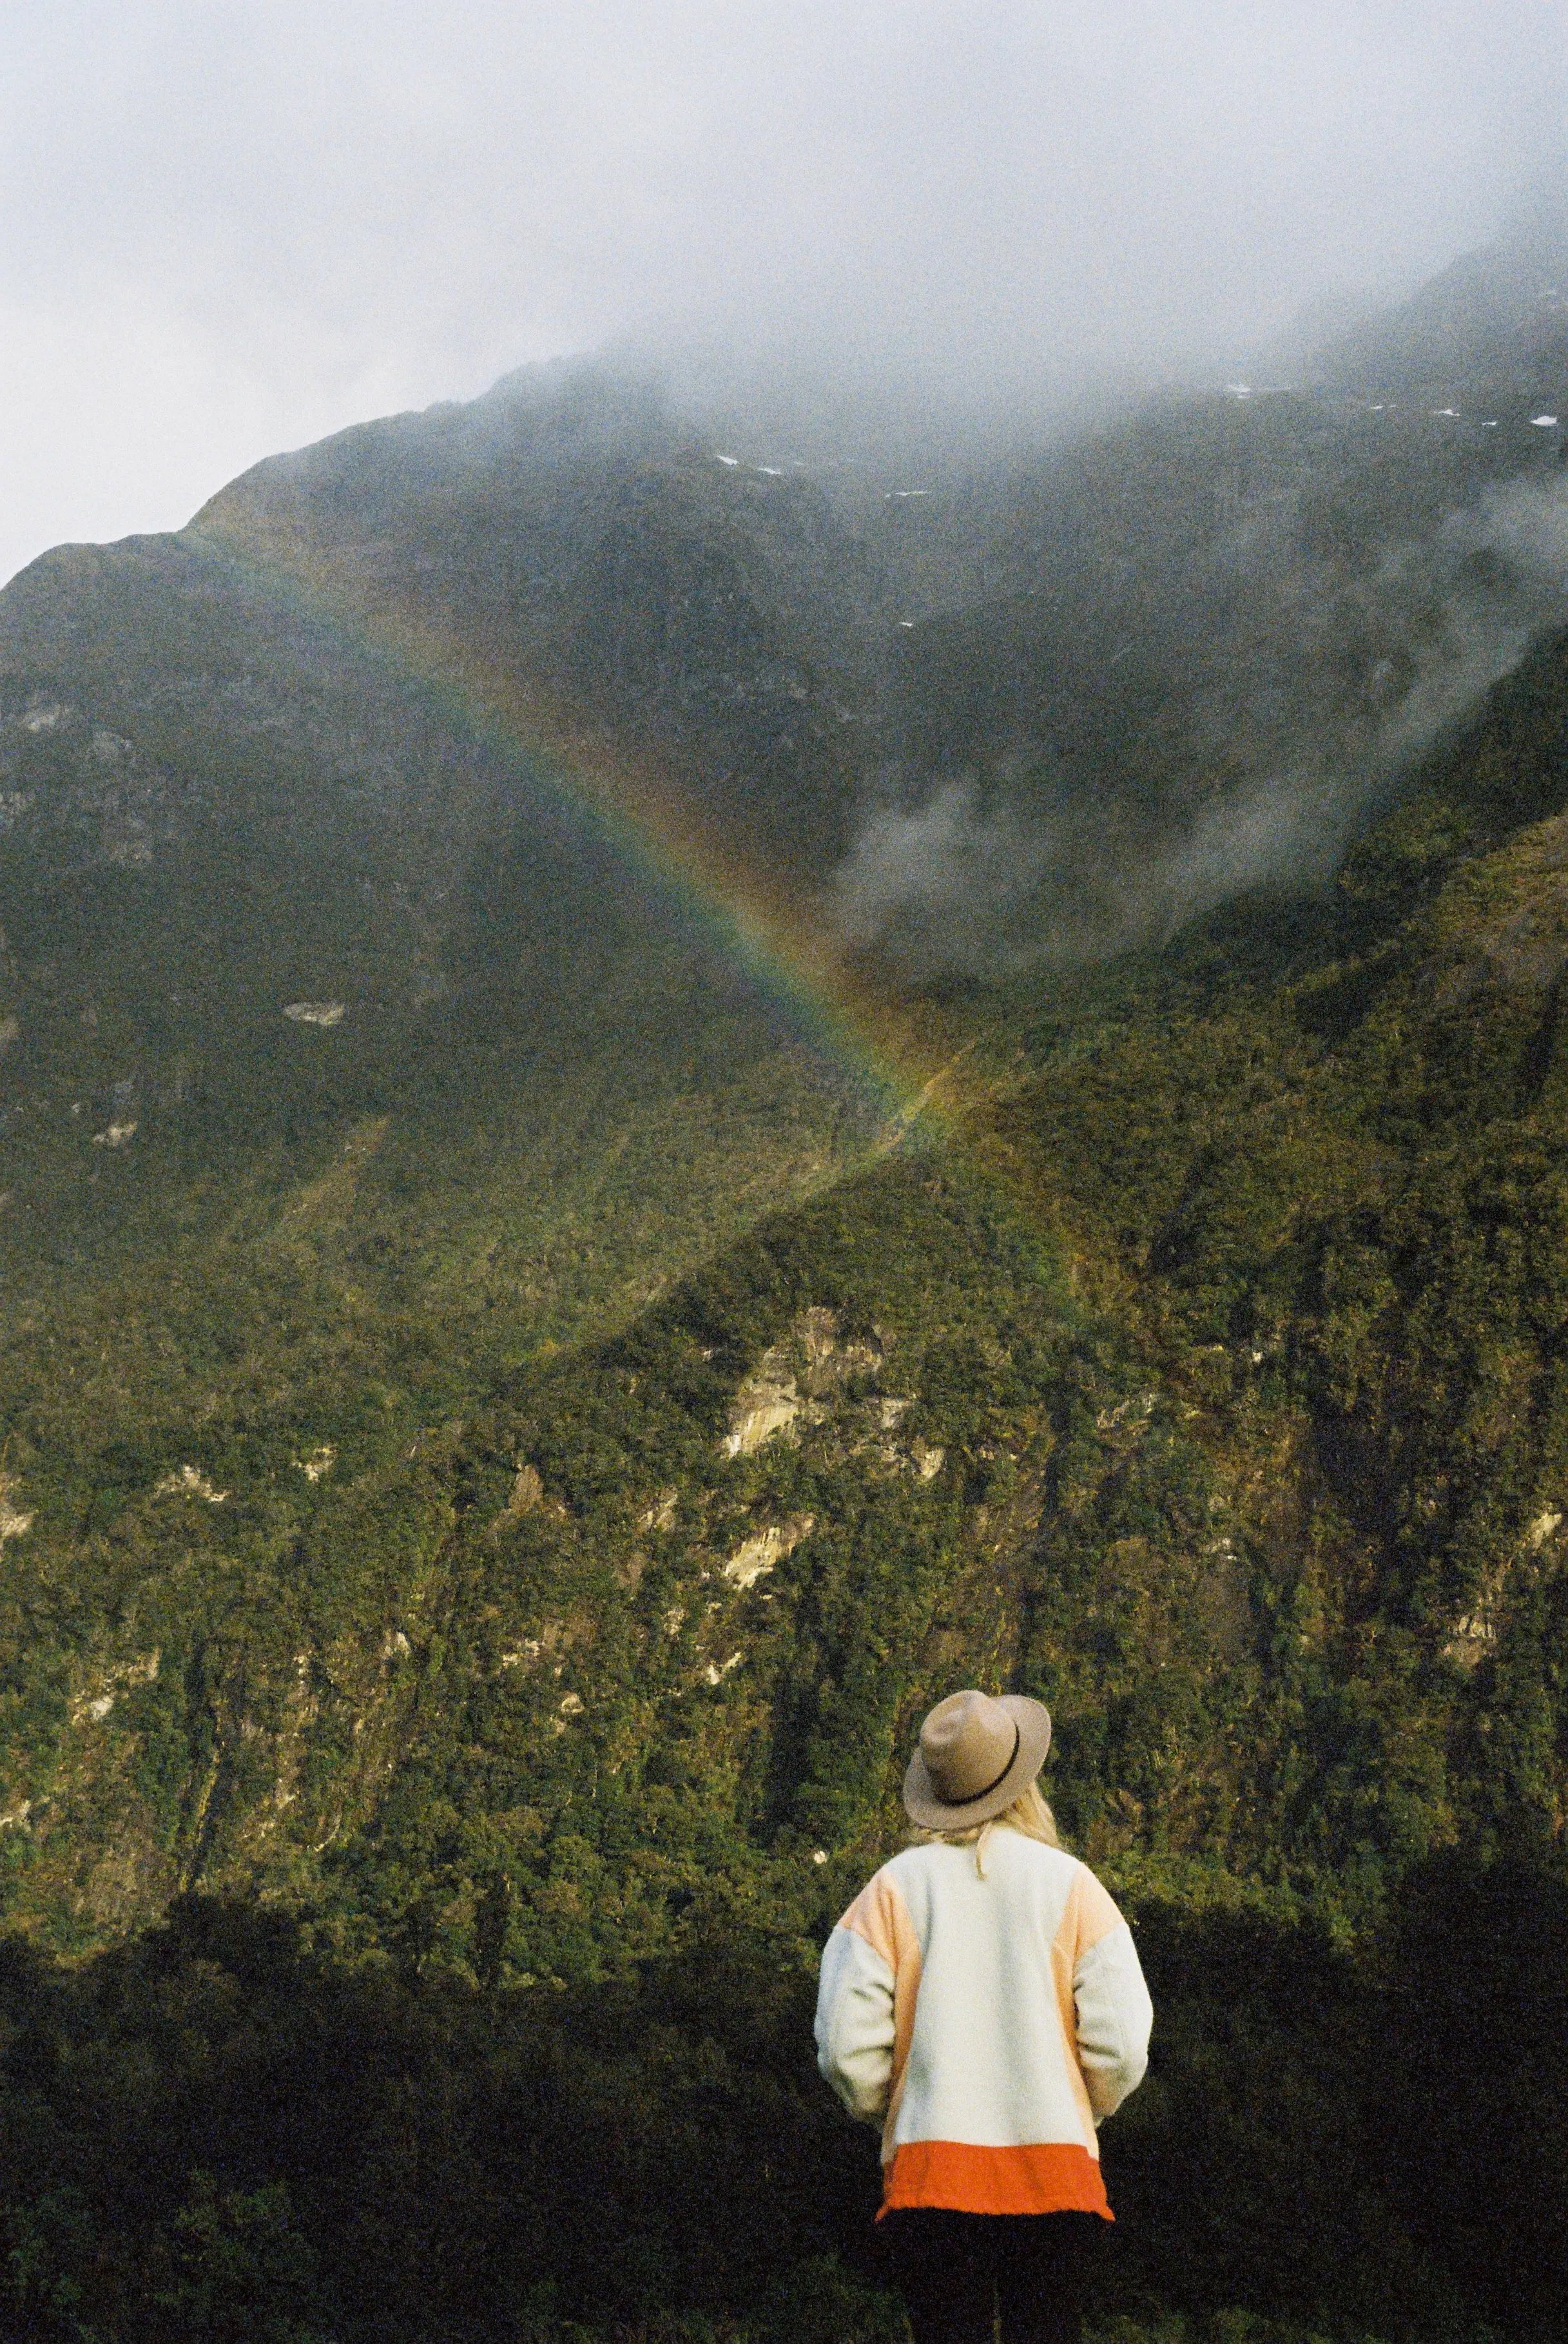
(1491, 332)
(656, 1106)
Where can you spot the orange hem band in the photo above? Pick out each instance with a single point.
(1035, 2178)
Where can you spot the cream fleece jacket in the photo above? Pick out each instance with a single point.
(989, 2022)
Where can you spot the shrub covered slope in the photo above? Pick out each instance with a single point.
(502, 1442)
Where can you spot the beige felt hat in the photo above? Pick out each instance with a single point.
(976, 1754)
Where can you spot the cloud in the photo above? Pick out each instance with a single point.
(956, 887)
(949, 883)
(983, 875)
(1527, 523)
(234, 223)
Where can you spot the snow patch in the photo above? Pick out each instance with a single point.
(115, 1135)
(314, 1013)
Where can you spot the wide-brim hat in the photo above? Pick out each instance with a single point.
(978, 1753)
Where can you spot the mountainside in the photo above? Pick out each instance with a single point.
(591, 1219)
(1001, 705)
(1247, 1423)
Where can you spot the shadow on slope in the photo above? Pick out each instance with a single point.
(213, 2132)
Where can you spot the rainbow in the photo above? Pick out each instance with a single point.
(907, 1063)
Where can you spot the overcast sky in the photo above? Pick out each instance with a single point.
(228, 227)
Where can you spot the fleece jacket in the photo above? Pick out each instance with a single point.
(988, 2020)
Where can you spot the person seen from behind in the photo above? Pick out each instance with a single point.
(982, 2002)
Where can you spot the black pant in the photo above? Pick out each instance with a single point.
(956, 2271)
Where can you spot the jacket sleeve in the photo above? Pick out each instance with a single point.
(855, 2024)
(1115, 2017)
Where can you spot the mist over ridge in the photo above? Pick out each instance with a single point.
(991, 687)
(1033, 203)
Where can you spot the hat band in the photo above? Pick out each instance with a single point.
(996, 1780)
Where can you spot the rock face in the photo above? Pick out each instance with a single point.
(799, 1382)
(756, 1556)
(189, 1481)
(768, 1402)
(76, 790)
(13, 1521)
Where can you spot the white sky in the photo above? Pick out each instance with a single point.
(231, 225)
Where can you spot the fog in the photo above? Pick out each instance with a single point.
(231, 226)
(982, 875)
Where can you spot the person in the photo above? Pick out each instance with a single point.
(982, 2001)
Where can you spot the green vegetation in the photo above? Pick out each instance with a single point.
(490, 1478)
(213, 2132)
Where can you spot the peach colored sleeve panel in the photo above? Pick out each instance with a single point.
(1093, 1911)
(1064, 1948)
(880, 1915)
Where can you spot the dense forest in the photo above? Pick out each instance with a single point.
(505, 1433)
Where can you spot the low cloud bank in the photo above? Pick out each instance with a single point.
(983, 873)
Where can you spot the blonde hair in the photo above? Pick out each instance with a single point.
(1028, 1814)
